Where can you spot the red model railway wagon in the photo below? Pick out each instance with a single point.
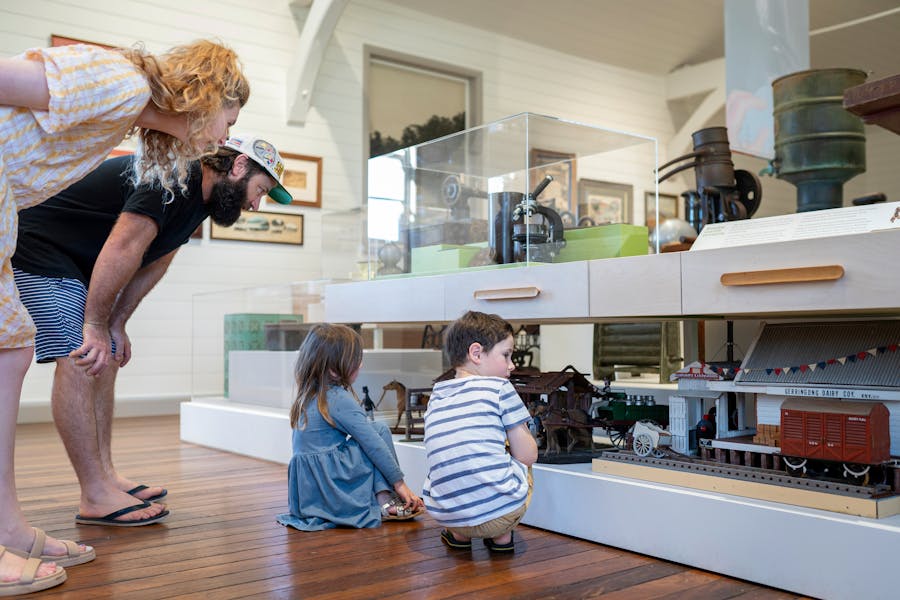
(856, 434)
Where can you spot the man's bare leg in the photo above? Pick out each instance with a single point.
(104, 401)
(14, 529)
(74, 412)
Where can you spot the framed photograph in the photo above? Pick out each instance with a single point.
(603, 202)
(668, 208)
(557, 195)
(258, 226)
(303, 179)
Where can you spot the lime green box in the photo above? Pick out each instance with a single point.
(604, 241)
(442, 257)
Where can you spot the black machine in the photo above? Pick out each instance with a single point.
(525, 230)
(723, 193)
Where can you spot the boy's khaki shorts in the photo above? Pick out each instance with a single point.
(499, 526)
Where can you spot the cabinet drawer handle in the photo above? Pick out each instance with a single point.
(518, 293)
(795, 275)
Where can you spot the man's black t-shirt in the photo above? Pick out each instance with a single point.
(63, 236)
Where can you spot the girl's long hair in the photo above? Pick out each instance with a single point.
(198, 80)
(329, 356)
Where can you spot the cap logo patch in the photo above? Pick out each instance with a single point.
(266, 152)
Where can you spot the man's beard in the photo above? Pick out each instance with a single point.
(227, 199)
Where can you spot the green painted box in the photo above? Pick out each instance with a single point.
(247, 331)
(604, 241)
(442, 257)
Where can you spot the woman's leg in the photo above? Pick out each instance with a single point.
(14, 529)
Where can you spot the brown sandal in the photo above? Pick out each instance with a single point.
(27, 582)
(74, 554)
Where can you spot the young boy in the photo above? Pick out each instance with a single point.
(474, 487)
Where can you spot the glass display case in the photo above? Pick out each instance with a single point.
(525, 189)
(245, 344)
(259, 324)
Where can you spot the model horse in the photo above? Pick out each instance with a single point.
(400, 390)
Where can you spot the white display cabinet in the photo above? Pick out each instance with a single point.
(810, 551)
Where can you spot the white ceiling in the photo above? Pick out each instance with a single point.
(658, 36)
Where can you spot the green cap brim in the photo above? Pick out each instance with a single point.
(280, 195)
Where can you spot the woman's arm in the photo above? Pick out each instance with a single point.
(23, 83)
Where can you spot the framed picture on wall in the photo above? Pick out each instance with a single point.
(668, 208)
(558, 194)
(303, 179)
(259, 226)
(603, 202)
(61, 40)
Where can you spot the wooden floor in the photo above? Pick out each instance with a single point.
(222, 541)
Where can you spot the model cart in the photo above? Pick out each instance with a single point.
(649, 439)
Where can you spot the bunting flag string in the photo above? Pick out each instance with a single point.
(821, 364)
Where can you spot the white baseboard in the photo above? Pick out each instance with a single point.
(126, 406)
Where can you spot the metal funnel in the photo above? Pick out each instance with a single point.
(818, 144)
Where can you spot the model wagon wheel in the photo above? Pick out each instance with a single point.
(643, 445)
(857, 474)
(616, 437)
(658, 453)
(795, 466)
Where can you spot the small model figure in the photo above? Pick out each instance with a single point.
(368, 405)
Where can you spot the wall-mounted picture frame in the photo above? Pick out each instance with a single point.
(558, 194)
(303, 179)
(668, 208)
(62, 40)
(260, 226)
(604, 202)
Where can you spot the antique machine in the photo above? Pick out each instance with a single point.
(525, 230)
(818, 144)
(723, 193)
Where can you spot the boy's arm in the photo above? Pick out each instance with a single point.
(522, 446)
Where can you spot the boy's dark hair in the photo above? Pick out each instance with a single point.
(472, 327)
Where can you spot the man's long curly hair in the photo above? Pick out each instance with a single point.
(199, 80)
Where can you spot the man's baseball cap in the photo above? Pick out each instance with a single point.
(264, 154)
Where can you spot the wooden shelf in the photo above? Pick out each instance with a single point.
(877, 102)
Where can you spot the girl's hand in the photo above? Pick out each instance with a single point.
(410, 500)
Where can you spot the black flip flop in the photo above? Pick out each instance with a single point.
(112, 518)
(140, 488)
(509, 546)
(451, 542)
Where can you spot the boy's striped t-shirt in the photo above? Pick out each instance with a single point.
(471, 477)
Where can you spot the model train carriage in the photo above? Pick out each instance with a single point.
(833, 430)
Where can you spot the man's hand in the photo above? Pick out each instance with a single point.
(122, 343)
(94, 354)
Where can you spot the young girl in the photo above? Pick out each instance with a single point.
(344, 467)
(61, 112)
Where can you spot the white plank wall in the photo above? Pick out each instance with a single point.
(518, 76)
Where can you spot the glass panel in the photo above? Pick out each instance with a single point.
(524, 189)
